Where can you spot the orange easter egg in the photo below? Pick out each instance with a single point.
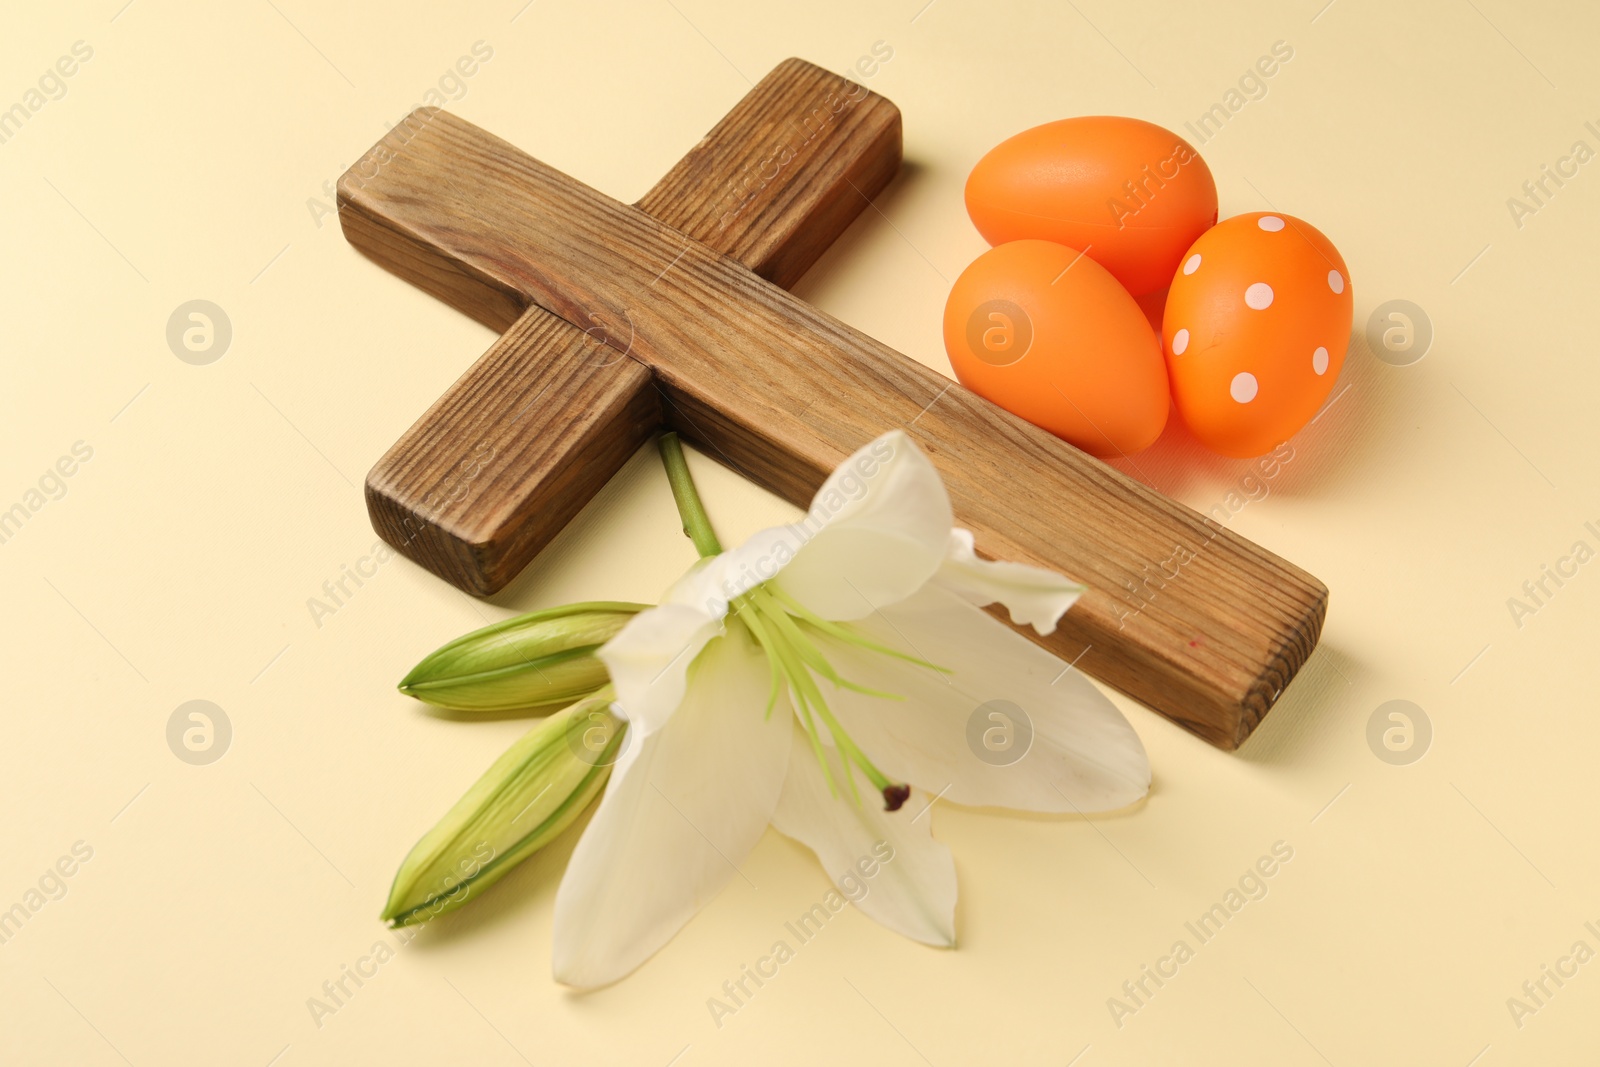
(1048, 334)
(1129, 193)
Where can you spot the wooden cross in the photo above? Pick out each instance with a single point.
(618, 322)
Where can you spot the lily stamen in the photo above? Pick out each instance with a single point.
(793, 658)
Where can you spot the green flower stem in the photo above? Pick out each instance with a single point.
(696, 524)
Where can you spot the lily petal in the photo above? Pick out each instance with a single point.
(684, 807)
(714, 581)
(1057, 744)
(876, 532)
(886, 862)
(1035, 597)
(649, 662)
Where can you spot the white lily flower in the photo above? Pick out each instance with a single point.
(850, 643)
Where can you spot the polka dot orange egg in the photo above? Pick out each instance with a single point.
(1048, 334)
(1255, 330)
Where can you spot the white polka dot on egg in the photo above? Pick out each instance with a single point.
(1258, 296)
(1336, 281)
(1244, 387)
(1270, 223)
(1193, 264)
(1319, 361)
(1180, 342)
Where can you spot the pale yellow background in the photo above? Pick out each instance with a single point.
(178, 566)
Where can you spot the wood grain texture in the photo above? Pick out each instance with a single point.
(1182, 614)
(511, 452)
(779, 179)
(518, 444)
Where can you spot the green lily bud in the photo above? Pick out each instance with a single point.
(530, 794)
(537, 660)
